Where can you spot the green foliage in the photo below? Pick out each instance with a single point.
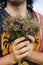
(19, 26)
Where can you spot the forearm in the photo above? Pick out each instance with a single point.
(7, 60)
(36, 57)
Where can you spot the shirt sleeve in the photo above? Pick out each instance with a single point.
(41, 24)
(41, 47)
(37, 15)
(41, 21)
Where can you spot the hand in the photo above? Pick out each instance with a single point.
(20, 48)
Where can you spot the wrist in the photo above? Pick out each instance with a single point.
(13, 59)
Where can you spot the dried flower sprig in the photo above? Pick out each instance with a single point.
(19, 26)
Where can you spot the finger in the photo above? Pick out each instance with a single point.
(13, 48)
(30, 46)
(22, 44)
(19, 40)
(31, 38)
(23, 55)
(23, 50)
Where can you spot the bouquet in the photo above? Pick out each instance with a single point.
(18, 27)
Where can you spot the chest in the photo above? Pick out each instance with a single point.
(15, 11)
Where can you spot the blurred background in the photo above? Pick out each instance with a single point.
(38, 6)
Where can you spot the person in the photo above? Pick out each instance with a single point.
(20, 49)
